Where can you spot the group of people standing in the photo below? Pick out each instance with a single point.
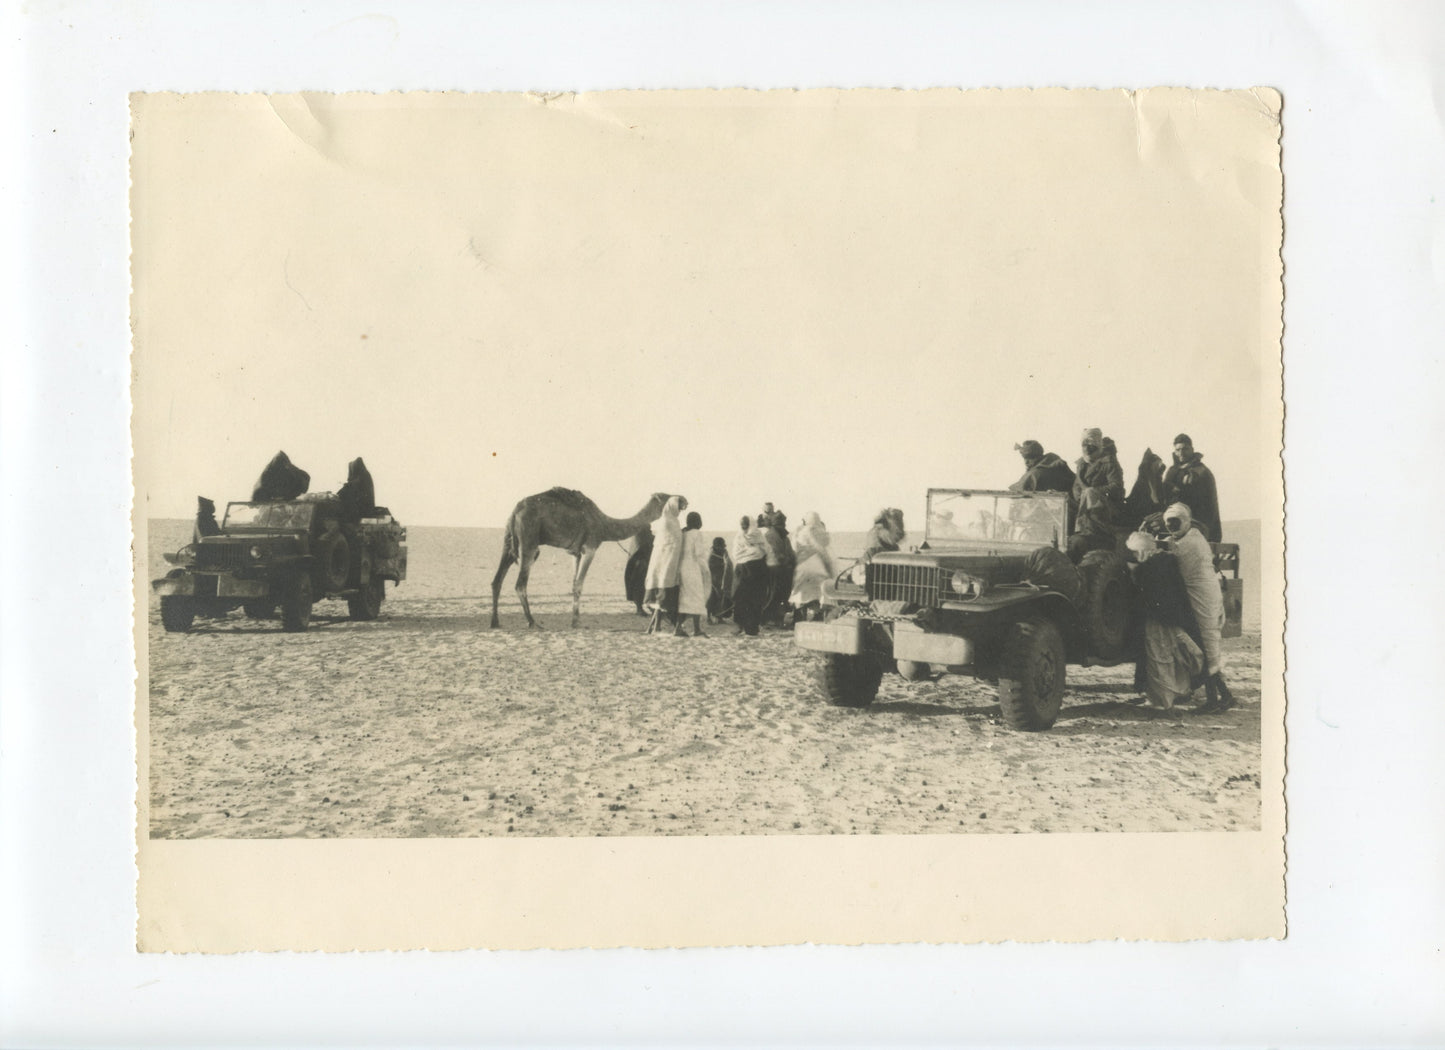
(754, 579)
(667, 574)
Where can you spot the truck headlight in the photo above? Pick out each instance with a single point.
(258, 552)
(966, 586)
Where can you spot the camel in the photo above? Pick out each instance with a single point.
(562, 518)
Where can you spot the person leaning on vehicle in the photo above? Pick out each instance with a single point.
(1098, 496)
(1043, 471)
(1191, 483)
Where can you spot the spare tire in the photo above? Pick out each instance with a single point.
(1104, 607)
(333, 561)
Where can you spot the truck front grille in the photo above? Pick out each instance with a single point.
(911, 584)
(225, 556)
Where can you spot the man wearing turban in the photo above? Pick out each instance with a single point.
(1196, 566)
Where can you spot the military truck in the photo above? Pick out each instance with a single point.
(991, 593)
(285, 554)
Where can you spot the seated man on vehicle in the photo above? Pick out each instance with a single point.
(1098, 496)
(1043, 471)
(358, 495)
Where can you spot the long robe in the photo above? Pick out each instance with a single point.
(634, 575)
(1172, 659)
(1196, 566)
(1192, 483)
(666, 556)
(720, 568)
(1098, 494)
(1049, 474)
(814, 562)
(750, 579)
(694, 576)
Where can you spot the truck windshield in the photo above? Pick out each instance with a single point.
(970, 516)
(268, 515)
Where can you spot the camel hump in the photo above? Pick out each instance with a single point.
(569, 498)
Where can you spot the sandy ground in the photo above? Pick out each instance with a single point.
(426, 723)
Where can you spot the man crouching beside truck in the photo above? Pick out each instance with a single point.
(991, 592)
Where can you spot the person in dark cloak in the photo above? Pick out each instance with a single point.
(886, 534)
(1165, 633)
(1098, 496)
(281, 479)
(1043, 471)
(780, 567)
(358, 496)
(634, 576)
(720, 568)
(206, 524)
(1191, 483)
(750, 579)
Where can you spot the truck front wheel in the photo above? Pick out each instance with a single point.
(367, 604)
(849, 681)
(1031, 680)
(296, 606)
(177, 612)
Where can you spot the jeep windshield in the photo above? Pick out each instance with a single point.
(269, 515)
(966, 517)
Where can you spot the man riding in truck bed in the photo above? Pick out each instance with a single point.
(1043, 471)
(1098, 496)
(1191, 483)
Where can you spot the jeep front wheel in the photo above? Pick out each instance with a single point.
(367, 604)
(849, 681)
(1031, 680)
(177, 612)
(296, 606)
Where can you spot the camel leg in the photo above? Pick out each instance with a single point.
(524, 570)
(501, 575)
(579, 574)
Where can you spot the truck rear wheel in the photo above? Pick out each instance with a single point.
(1031, 680)
(1105, 604)
(296, 606)
(335, 562)
(177, 612)
(367, 604)
(849, 681)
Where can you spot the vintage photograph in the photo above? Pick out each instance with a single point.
(678, 465)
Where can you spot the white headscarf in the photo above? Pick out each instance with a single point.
(1142, 544)
(1180, 511)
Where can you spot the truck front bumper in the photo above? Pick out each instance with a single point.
(909, 642)
(840, 636)
(226, 586)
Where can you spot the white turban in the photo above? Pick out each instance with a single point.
(1180, 511)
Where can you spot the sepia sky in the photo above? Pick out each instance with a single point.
(827, 300)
